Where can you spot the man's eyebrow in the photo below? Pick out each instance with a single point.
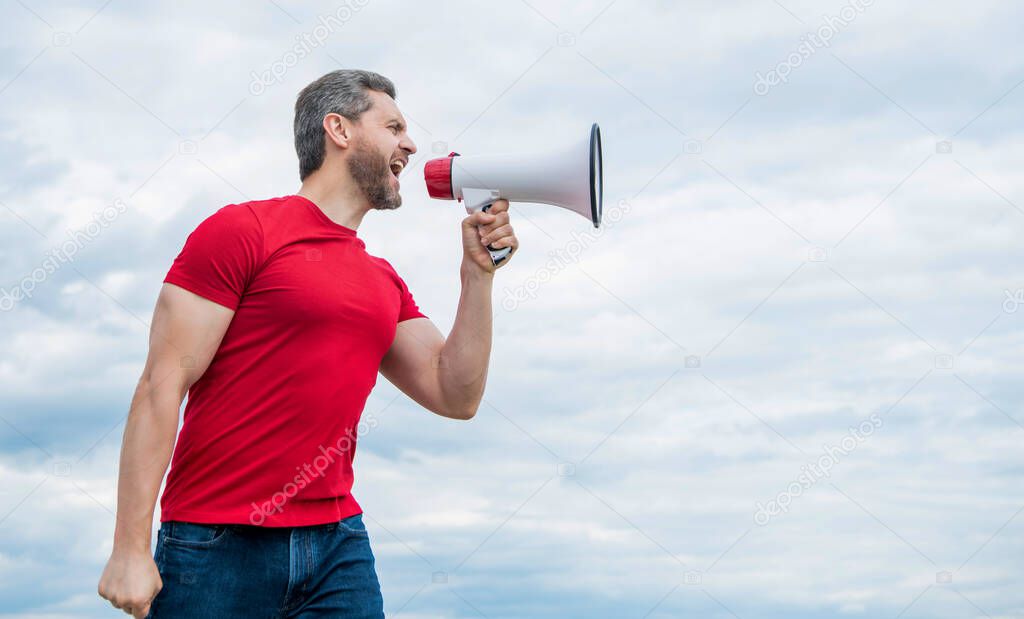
(401, 125)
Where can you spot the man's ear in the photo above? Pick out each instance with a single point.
(338, 129)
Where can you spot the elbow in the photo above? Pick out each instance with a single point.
(470, 407)
(463, 413)
(459, 404)
(153, 392)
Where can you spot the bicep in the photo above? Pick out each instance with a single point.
(413, 361)
(184, 336)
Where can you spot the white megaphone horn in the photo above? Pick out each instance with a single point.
(569, 177)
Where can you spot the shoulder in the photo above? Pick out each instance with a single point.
(232, 217)
(255, 218)
(264, 208)
(257, 211)
(386, 266)
(230, 227)
(382, 263)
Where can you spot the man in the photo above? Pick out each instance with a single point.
(275, 321)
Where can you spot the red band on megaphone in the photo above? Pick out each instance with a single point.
(438, 174)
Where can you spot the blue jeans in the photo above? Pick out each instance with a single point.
(227, 571)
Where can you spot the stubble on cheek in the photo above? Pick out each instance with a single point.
(372, 173)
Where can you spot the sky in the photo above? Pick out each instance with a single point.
(782, 380)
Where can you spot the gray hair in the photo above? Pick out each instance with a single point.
(339, 92)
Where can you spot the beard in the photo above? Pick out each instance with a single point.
(372, 173)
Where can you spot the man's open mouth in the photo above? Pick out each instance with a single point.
(397, 166)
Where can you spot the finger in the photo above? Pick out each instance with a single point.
(497, 233)
(505, 241)
(499, 220)
(501, 216)
(499, 206)
(141, 614)
(479, 218)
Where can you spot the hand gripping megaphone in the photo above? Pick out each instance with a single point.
(569, 177)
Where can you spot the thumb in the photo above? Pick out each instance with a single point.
(142, 612)
(479, 218)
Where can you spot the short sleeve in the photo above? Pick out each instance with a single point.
(408, 308)
(220, 256)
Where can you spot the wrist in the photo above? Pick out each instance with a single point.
(472, 272)
(130, 544)
(128, 551)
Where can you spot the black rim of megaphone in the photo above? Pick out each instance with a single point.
(596, 191)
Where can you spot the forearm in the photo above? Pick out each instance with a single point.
(464, 359)
(145, 453)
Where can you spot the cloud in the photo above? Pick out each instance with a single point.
(786, 266)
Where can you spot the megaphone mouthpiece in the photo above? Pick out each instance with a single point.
(438, 174)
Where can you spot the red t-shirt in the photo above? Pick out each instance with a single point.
(270, 428)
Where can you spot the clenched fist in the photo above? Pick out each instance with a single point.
(488, 228)
(130, 582)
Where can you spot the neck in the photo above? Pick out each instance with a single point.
(337, 197)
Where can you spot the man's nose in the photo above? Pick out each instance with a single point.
(408, 145)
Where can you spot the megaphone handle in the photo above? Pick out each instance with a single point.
(497, 253)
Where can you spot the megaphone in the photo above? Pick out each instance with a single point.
(569, 177)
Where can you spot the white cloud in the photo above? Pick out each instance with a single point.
(701, 267)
